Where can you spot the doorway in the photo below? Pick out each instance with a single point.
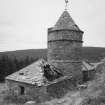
(85, 76)
(22, 89)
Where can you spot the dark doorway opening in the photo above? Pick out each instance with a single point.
(85, 76)
(22, 90)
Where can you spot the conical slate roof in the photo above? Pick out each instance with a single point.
(66, 22)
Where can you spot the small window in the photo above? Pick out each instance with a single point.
(22, 90)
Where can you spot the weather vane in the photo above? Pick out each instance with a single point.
(66, 1)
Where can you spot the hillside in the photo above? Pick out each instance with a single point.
(93, 54)
(22, 54)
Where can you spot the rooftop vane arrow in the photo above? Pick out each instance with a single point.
(66, 1)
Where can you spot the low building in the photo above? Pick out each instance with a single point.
(42, 79)
(88, 71)
(39, 79)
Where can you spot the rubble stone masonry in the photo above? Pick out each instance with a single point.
(64, 51)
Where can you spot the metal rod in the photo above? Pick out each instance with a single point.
(66, 2)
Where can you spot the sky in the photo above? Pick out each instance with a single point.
(24, 23)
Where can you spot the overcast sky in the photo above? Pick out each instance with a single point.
(24, 23)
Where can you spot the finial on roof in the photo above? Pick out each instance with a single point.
(66, 1)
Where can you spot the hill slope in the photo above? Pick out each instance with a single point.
(91, 53)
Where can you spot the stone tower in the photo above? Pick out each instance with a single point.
(65, 46)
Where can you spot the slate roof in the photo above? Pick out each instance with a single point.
(32, 74)
(89, 66)
(86, 66)
(66, 22)
(97, 64)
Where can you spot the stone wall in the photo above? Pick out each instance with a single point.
(89, 75)
(29, 90)
(61, 88)
(71, 69)
(64, 51)
(64, 34)
(41, 94)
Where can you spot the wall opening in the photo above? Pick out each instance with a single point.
(22, 89)
(85, 76)
(88, 75)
